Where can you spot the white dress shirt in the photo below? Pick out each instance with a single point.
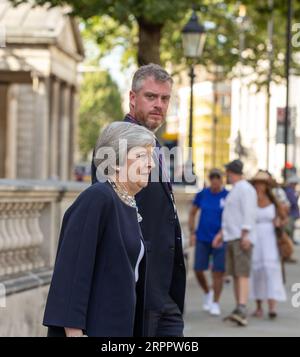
(240, 212)
(140, 257)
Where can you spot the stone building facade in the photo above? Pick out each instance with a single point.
(38, 100)
(38, 92)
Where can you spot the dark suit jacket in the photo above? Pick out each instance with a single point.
(162, 233)
(161, 230)
(93, 286)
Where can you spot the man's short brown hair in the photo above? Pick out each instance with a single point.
(149, 70)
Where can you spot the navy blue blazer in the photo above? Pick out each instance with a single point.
(166, 275)
(93, 286)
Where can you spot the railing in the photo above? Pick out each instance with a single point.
(30, 218)
(20, 237)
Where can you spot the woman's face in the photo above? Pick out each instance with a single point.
(260, 186)
(138, 167)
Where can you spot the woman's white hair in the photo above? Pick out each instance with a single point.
(116, 140)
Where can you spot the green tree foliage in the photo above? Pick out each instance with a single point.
(149, 30)
(149, 16)
(100, 104)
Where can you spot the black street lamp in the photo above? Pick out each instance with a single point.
(193, 39)
(287, 121)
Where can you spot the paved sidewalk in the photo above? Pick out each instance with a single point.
(199, 323)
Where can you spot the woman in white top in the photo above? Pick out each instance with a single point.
(266, 277)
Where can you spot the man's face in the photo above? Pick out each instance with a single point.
(229, 178)
(215, 182)
(150, 104)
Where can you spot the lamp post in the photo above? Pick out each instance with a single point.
(287, 121)
(193, 38)
(243, 26)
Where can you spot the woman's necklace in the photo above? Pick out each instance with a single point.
(126, 197)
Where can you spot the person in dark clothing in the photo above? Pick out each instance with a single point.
(166, 276)
(293, 197)
(98, 284)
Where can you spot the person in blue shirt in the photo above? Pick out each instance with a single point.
(210, 203)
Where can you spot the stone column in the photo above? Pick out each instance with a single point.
(3, 126)
(54, 127)
(65, 133)
(11, 143)
(41, 163)
(73, 130)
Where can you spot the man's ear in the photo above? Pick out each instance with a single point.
(131, 99)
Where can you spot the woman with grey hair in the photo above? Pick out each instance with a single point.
(97, 287)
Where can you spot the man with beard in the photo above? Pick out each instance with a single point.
(165, 285)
